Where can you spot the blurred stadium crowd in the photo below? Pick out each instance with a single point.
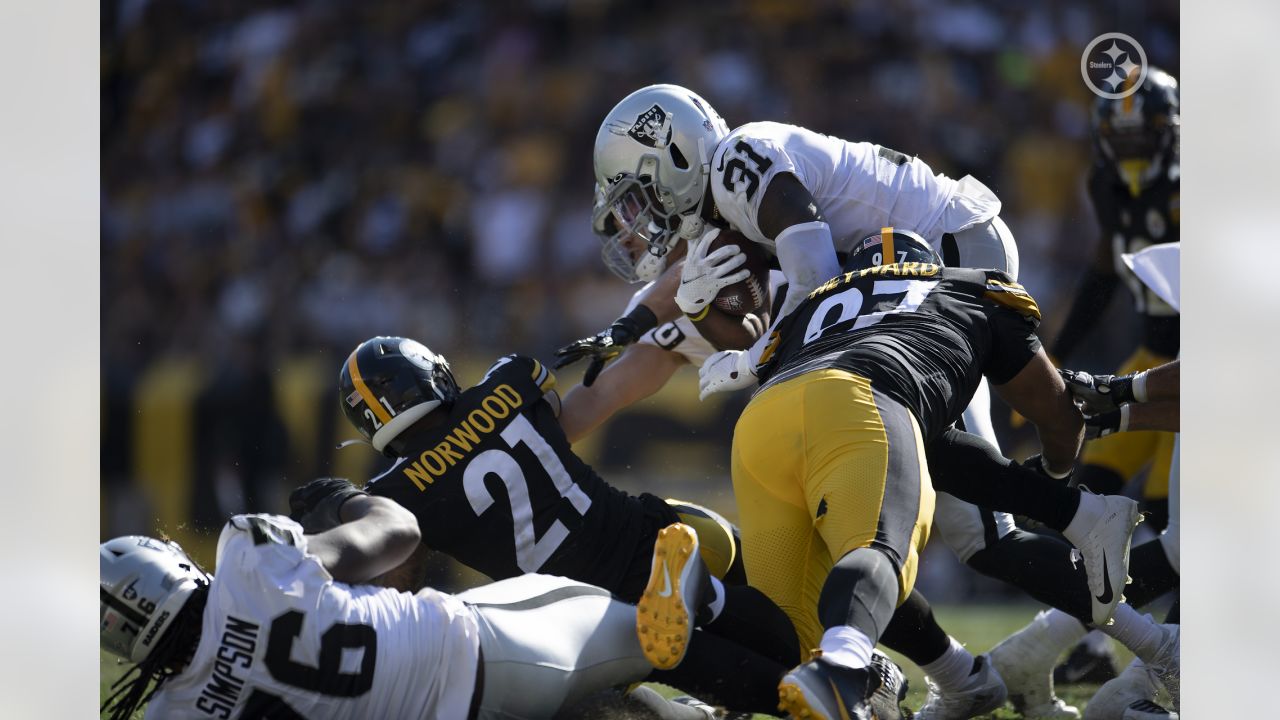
(281, 180)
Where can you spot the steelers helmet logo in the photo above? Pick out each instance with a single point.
(418, 354)
(1113, 66)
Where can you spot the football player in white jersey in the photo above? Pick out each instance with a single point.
(285, 630)
(667, 168)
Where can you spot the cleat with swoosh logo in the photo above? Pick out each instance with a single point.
(670, 601)
(1102, 530)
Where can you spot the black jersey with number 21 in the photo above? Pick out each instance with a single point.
(497, 486)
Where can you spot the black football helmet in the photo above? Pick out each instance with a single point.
(1138, 135)
(389, 383)
(891, 245)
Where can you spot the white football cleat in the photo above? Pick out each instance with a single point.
(984, 691)
(1165, 666)
(1025, 661)
(1101, 530)
(668, 606)
(1130, 696)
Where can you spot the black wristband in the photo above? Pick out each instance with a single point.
(1121, 389)
(634, 324)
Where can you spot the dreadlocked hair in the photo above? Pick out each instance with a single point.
(172, 652)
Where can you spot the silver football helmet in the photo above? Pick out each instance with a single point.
(144, 582)
(652, 160)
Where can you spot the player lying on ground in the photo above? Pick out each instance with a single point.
(494, 483)
(286, 630)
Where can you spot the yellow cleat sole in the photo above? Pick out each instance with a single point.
(663, 624)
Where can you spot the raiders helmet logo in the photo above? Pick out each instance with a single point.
(652, 128)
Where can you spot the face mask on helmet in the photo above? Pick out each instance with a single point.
(143, 582)
(653, 154)
(890, 246)
(643, 231)
(1138, 134)
(389, 383)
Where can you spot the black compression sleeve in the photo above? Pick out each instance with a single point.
(971, 468)
(914, 632)
(1091, 301)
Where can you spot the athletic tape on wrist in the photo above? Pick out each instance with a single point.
(1140, 386)
(1124, 418)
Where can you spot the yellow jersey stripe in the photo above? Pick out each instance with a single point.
(887, 257)
(378, 410)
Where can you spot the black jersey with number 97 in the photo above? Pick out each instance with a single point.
(923, 334)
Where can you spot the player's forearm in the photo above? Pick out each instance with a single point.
(1158, 383)
(807, 256)
(660, 297)
(377, 535)
(641, 371)
(731, 332)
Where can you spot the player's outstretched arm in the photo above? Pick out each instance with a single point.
(1039, 393)
(376, 535)
(640, 372)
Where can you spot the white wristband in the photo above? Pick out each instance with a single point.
(1140, 386)
(1124, 418)
(1044, 464)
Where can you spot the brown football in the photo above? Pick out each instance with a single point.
(750, 295)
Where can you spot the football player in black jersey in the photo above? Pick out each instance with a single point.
(494, 483)
(829, 464)
(1134, 187)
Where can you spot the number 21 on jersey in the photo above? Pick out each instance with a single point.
(531, 551)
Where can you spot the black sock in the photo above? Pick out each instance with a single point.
(1103, 481)
(752, 620)
(972, 469)
(721, 672)
(1040, 566)
(914, 632)
(1152, 574)
(1157, 514)
(860, 591)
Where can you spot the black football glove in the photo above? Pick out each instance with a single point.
(315, 505)
(1102, 424)
(607, 344)
(1098, 393)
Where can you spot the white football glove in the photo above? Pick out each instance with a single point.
(704, 276)
(725, 370)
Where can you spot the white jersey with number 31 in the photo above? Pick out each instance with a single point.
(859, 187)
(282, 639)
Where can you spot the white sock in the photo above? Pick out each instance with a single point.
(952, 670)
(1061, 630)
(716, 606)
(846, 646)
(1142, 635)
(1087, 516)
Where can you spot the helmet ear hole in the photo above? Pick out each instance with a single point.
(678, 158)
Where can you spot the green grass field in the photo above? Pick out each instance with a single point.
(980, 627)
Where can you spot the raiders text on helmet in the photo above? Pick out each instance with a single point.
(144, 582)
